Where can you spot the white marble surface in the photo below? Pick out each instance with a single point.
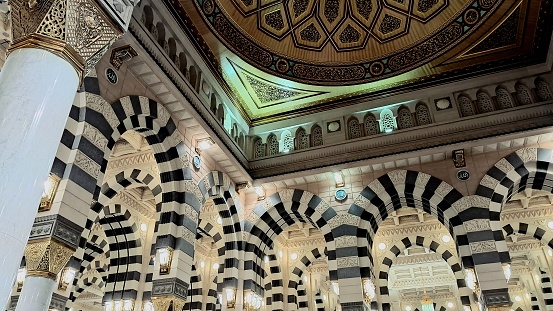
(36, 294)
(37, 90)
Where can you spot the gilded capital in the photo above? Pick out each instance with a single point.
(77, 30)
(494, 308)
(46, 258)
(162, 303)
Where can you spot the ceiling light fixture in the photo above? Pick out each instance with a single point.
(339, 179)
(446, 238)
(144, 227)
(550, 224)
(294, 256)
(260, 193)
(203, 144)
(382, 246)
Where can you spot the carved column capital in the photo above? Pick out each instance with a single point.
(79, 31)
(162, 303)
(499, 308)
(45, 258)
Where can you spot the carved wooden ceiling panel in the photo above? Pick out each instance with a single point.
(283, 58)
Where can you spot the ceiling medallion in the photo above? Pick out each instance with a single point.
(345, 42)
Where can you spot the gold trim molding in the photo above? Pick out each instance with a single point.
(79, 31)
(45, 258)
(163, 303)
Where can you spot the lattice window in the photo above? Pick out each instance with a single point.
(272, 145)
(466, 107)
(371, 125)
(523, 94)
(423, 115)
(354, 128)
(387, 121)
(302, 138)
(543, 91)
(259, 149)
(287, 141)
(484, 102)
(404, 118)
(316, 136)
(504, 98)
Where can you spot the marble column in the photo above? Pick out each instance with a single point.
(36, 294)
(49, 56)
(44, 260)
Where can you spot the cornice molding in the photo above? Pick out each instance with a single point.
(523, 118)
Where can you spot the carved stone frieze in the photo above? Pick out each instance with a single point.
(483, 247)
(172, 287)
(46, 258)
(346, 262)
(164, 303)
(343, 219)
(57, 227)
(79, 31)
(476, 225)
(58, 302)
(87, 164)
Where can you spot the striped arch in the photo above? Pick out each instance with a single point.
(319, 303)
(525, 168)
(124, 242)
(273, 283)
(547, 289)
(90, 264)
(390, 192)
(104, 124)
(295, 278)
(195, 295)
(545, 236)
(271, 217)
(125, 252)
(303, 304)
(212, 301)
(219, 187)
(393, 252)
(208, 228)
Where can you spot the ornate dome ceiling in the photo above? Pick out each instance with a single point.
(340, 42)
(283, 58)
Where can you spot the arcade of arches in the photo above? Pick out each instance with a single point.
(276, 155)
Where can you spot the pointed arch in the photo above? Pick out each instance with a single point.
(422, 114)
(354, 128)
(371, 125)
(504, 99)
(465, 106)
(484, 102)
(404, 118)
(392, 191)
(316, 136)
(287, 141)
(395, 250)
(302, 139)
(524, 96)
(543, 90)
(295, 278)
(219, 187)
(272, 145)
(195, 293)
(272, 216)
(258, 148)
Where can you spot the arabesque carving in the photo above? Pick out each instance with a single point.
(46, 258)
(79, 31)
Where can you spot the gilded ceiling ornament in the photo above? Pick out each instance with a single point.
(46, 258)
(297, 38)
(77, 30)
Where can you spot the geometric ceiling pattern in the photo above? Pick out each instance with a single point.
(286, 58)
(337, 42)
